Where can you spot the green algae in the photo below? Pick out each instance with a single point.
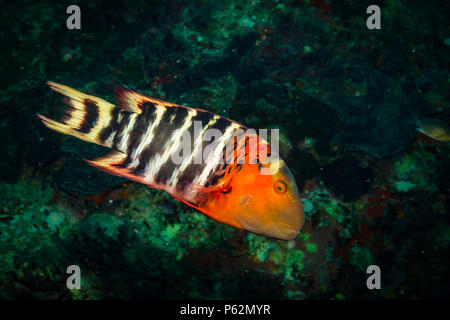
(360, 257)
(23, 195)
(260, 247)
(320, 201)
(416, 171)
(404, 186)
(311, 247)
(287, 261)
(304, 236)
(170, 232)
(339, 296)
(307, 205)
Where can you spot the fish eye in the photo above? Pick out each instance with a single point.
(280, 187)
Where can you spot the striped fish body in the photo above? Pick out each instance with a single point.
(147, 134)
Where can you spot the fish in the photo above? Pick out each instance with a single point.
(145, 133)
(434, 128)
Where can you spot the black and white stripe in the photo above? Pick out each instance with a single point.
(90, 117)
(149, 139)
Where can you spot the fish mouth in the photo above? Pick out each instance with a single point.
(278, 230)
(289, 222)
(286, 231)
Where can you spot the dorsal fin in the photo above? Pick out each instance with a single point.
(131, 101)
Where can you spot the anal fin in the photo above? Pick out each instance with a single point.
(111, 163)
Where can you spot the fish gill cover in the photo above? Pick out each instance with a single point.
(374, 191)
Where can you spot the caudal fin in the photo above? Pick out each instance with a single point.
(85, 117)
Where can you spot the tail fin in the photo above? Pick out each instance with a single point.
(85, 117)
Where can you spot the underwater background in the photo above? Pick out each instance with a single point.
(345, 98)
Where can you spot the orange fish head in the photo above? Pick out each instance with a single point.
(267, 204)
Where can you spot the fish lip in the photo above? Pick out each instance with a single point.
(287, 226)
(287, 231)
(283, 231)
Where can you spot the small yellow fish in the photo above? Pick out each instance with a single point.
(433, 128)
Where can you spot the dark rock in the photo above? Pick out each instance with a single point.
(76, 176)
(346, 178)
(376, 122)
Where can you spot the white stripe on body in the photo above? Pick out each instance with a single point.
(109, 141)
(147, 137)
(172, 145)
(214, 157)
(172, 183)
(125, 135)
